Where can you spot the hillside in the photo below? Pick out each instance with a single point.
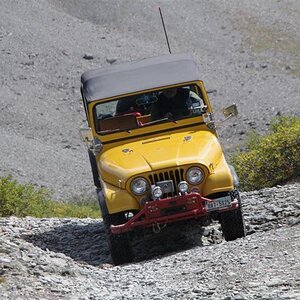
(248, 53)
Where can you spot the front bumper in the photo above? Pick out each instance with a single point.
(157, 213)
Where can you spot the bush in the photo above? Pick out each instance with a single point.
(86, 209)
(22, 200)
(272, 159)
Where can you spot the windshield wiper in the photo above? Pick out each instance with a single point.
(160, 121)
(115, 130)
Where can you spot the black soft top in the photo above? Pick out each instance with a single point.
(138, 76)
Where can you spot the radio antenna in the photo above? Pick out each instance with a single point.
(163, 23)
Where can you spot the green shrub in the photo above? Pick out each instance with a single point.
(271, 159)
(88, 209)
(22, 200)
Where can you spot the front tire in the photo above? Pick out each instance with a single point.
(232, 222)
(94, 169)
(119, 244)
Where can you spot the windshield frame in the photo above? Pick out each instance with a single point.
(159, 128)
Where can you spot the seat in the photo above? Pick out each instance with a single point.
(123, 122)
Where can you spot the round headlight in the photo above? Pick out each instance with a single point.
(183, 187)
(139, 186)
(157, 192)
(194, 175)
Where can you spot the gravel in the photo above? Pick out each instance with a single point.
(248, 53)
(69, 258)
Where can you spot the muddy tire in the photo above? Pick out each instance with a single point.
(119, 244)
(232, 222)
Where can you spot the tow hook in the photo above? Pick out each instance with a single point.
(156, 228)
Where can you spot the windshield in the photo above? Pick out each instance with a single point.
(146, 109)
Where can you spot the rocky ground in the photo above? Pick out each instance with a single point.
(69, 258)
(248, 53)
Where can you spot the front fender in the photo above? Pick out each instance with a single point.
(118, 200)
(221, 180)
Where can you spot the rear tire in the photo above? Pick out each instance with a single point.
(232, 222)
(119, 244)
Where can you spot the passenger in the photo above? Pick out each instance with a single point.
(174, 103)
(127, 106)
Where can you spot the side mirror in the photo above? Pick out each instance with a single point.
(85, 133)
(91, 142)
(230, 111)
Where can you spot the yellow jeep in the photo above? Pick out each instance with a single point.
(154, 151)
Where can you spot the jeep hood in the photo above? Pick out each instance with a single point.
(122, 162)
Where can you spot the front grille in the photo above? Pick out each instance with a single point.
(175, 175)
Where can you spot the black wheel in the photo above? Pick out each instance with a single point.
(94, 169)
(119, 244)
(232, 222)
